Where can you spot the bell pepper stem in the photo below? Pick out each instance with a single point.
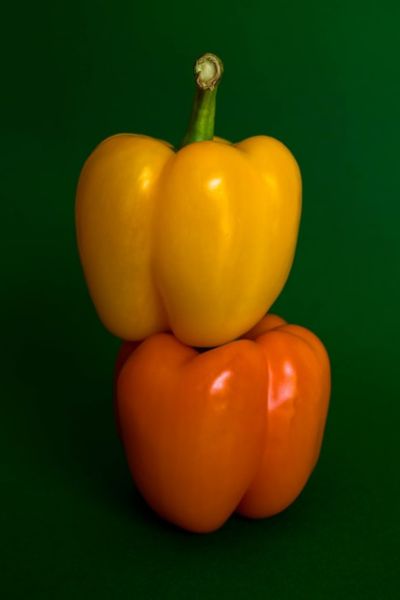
(208, 72)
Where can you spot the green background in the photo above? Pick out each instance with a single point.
(323, 78)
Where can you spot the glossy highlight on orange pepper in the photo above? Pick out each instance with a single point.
(298, 373)
(235, 428)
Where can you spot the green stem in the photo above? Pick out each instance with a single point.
(208, 72)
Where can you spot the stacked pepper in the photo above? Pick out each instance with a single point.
(220, 408)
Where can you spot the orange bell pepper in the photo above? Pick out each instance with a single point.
(192, 425)
(237, 427)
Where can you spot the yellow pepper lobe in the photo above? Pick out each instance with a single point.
(200, 241)
(114, 221)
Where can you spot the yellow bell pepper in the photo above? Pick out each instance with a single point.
(199, 241)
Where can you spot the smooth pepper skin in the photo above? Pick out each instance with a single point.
(239, 427)
(299, 384)
(179, 240)
(192, 426)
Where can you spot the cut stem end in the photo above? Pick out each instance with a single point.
(208, 71)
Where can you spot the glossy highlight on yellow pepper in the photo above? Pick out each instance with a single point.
(199, 241)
